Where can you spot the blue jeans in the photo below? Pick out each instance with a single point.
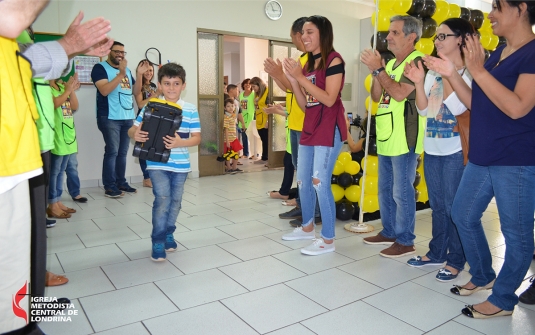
(295, 137)
(514, 190)
(167, 188)
(396, 196)
(58, 164)
(443, 175)
(318, 162)
(73, 181)
(245, 142)
(115, 133)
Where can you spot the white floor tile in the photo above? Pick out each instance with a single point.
(200, 288)
(53, 265)
(91, 257)
(79, 325)
(202, 238)
(204, 221)
(107, 236)
(420, 307)
(135, 207)
(453, 327)
(262, 272)
(63, 228)
(253, 247)
(247, 229)
(139, 271)
(89, 214)
(81, 284)
(200, 259)
(273, 308)
(203, 209)
(243, 215)
(63, 243)
(522, 322)
(120, 221)
(212, 318)
(122, 307)
(358, 318)
(313, 264)
(132, 329)
(295, 329)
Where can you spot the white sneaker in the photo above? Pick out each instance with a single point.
(299, 234)
(318, 247)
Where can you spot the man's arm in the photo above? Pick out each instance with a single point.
(104, 86)
(398, 91)
(18, 15)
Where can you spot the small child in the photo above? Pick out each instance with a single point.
(231, 141)
(168, 179)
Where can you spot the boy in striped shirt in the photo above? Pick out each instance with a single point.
(168, 179)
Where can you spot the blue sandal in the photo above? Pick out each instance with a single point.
(417, 262)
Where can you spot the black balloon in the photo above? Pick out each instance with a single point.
(416, 7)
(429, 27)
(372, 148)
(487, 53)
(382, 44)
(417, 179)
(345, 210)
(345, 180)
(476, 18)
(334, 179)
(419, 162)
(465, 14)
(356, 178)
(364, 125)
(387, 56)
(416, 194)
(429, 9)
(357, 209)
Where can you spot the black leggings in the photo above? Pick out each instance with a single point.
(288, 178)
(264, 137)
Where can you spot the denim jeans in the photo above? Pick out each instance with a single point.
(513, 188)
(245, 143)
(295, 137)
(318, 162)
(143, 165)
(73, 181)
(167, 188)
(396, 196)
(443, 175)
(115, 133)
(58, 164)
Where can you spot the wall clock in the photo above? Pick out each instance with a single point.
(273, 10)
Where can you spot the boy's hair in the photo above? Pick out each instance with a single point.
(117, 43)
(231, 87)
(229, 101)
(172, 70)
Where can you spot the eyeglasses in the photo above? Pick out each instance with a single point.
(117, 52)
(442, 37)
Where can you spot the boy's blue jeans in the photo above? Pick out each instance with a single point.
(443, 175)
(396, 196)
(73, 181)
(167, 188)
(514, 190)
(318, 162)
(58, 164)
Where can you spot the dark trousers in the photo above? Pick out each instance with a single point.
(288, 178)
(264, 138)
(245, 143)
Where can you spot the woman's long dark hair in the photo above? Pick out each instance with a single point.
(326, 41)
(460, 27)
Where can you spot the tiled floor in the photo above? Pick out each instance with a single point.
(232, 273)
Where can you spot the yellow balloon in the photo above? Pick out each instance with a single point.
(352, 193)
(352, 167)
(375, 105)
(338, 168)
(485, 39)
(371, 186)
(494, 40)
(370, 203)
(344, 157)
(383, 21)
(486, 23)
(372, 165)
(442, 11)
(368, 83)
(402, 6)
(455, 10)
(423, 197)
(425, 45)
(338, 192)
(384, 4)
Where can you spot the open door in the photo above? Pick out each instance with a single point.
(210, 102)
(277, 123)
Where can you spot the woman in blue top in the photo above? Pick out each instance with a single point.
(502, 155)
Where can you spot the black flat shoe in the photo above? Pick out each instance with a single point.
(82, 200)
(459, 290)
(528, 296)
(471, 312)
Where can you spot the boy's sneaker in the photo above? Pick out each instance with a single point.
(318, 247)
(158, 252)
(295, 213)
(238, 170)
(50, 223)
(113, 193)
(127, 188)
(170, 243)
(528, 296)
(299, 234)
(299, 222)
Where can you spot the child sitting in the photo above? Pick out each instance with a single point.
(168, 179)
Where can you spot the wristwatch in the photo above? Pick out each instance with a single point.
(375, 73)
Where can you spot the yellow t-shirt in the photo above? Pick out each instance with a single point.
(296, 116)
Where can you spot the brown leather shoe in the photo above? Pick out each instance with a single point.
(62, 215)
(147, 183)
(398, 250)
(379, 239)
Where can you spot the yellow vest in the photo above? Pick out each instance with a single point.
(261, 116)
(296, 116)
(390, 118)
(18, 133)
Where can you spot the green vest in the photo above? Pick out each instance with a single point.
(390, 118)
(247, 108)
(65, 135)
(42, 93)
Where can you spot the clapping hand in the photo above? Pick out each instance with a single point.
(292, 69)
(273, 68)
(122, 66)
(414, 72)
(372, 59)
(87, 38)
(474, 54)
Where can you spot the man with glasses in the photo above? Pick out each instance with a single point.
(400, 132)
(115, 113)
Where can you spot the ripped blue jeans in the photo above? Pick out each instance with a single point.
(317, 162)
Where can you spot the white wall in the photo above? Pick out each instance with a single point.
(171, 26)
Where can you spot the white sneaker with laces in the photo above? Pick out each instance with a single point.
(318, 247)
(299, 234)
